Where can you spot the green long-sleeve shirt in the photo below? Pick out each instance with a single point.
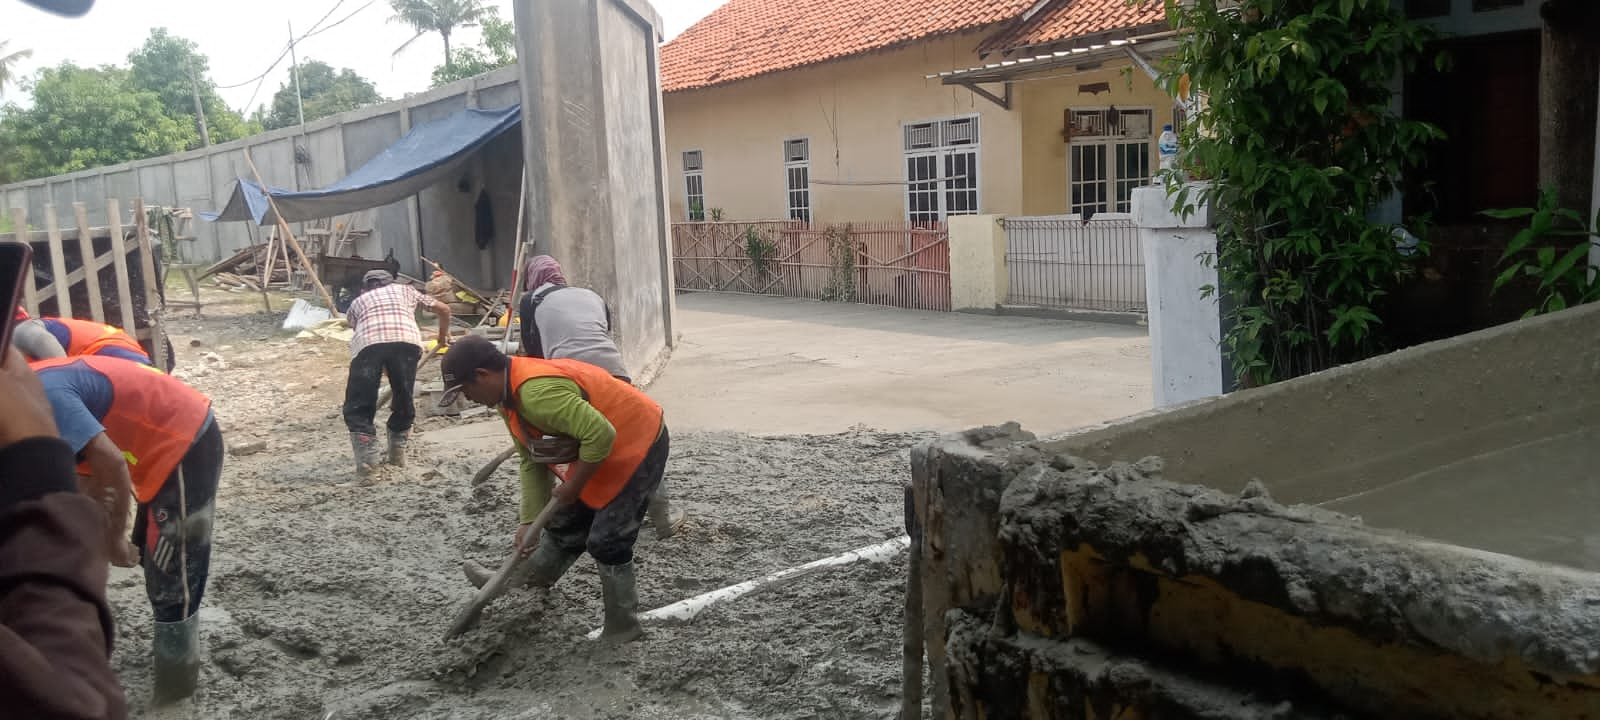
(556, 406)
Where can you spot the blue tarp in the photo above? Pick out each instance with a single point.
(429, 153)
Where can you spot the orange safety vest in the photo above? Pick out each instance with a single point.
(89, 337)
(153, 418)
(636, 417)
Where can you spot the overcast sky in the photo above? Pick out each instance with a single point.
(244, 39)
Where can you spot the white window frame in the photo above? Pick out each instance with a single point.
(1111, 143)
(690, 179)
(804, 210)
(942, 151)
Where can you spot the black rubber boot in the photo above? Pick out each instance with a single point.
(176, 651)
(542, 569)
(397, 447)
(621, 597)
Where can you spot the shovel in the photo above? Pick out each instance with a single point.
(496, 586)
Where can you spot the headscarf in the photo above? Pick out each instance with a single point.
(540, 270)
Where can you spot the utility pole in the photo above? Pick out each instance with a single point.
(294, 62)
(199, 108)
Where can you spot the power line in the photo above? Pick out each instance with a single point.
(292, 40)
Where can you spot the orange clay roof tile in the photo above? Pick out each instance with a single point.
(1065, 19)
(746, 38)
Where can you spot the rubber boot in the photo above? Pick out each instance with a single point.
(365, 448)
(397, 447)
(663, 517)
(177, 659)
(546, 566)
(621, 597)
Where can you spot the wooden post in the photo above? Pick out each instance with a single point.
(158, 335)
(58, 263)
(30, 288)
(119, 251)
(91, 277)
(283, 227)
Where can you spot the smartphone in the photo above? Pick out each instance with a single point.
(16, 259)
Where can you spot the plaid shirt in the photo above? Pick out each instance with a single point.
(385, 315)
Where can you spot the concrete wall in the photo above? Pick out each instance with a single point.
(593, 129)
(1113, 568)
(978, 280)
(438, 224)
(852, 112)
(1185, 328)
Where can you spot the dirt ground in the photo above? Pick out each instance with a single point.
(328, 597)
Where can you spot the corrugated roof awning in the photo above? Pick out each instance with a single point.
(1008, 70)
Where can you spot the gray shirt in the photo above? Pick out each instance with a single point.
(572, 323)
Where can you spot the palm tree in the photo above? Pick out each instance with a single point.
(437, 16)
(7, 61)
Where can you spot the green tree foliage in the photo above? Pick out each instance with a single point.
(499, 49)
(437, 16)
(165, 65)
(1297, 136)
(9, 60)
(323, 91)
(83, 118)
(1552, 253)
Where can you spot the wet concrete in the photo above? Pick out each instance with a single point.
(1537, 500)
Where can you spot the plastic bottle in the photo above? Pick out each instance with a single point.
(1168, 147)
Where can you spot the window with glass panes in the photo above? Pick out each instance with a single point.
(797, 177)
(941, 159)
(1108, 155)
(694, 185)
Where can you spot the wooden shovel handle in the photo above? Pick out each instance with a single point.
(468, 616)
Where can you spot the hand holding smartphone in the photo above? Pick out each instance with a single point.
(16, 258)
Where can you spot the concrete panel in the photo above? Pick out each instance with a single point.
(38, 197)
(325, 147)
(62, 196)
(1485, 440)
(364, 139)
(124, 186)
(192, 186)
(610, 236)
(227, 166)
(275, 160)
(156, 185)
(438, 110)
(499, 96)
(91, 191)
(637, 203)
(15, 198)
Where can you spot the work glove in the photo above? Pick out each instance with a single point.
(554, 449)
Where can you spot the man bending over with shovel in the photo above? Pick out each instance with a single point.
(602, 437)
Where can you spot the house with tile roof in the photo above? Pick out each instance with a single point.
(870, 110)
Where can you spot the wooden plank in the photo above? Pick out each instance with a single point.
(141, 223)
(97, 306)
(158, 350)
(289, 236)
(58, 264)
(119, 256)
(30, 287)
(76, 276)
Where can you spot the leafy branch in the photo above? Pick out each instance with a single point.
(1561, 269)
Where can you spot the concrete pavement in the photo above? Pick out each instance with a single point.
(777, 365)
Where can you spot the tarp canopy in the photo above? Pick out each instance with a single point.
(429, 153)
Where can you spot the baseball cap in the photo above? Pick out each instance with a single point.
(372, 275)
(459, 362)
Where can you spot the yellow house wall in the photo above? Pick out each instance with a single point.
(1041, 107)
(852, 112)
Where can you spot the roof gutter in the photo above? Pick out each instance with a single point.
(1025, 64)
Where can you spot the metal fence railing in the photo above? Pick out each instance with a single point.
(1067, 263)
(879, 263)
